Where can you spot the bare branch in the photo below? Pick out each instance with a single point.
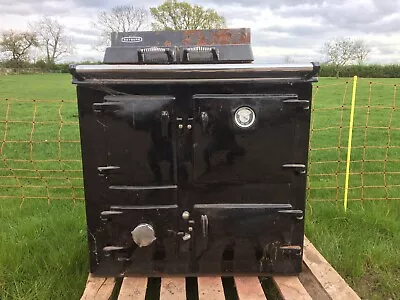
(343, 51)
(361, 50)
(120, 19)
(17, 44)
(288, 59)
(52, 39)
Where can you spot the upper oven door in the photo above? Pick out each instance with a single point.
(139, 134)
(243, 140)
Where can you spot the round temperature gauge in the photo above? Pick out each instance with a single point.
(245, 117)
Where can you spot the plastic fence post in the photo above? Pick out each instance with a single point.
(346, 185)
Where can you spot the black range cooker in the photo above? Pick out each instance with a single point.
(194, 157)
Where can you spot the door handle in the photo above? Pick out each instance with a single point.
(200, 53)
(164, 123)
(204, 225)
(204, 121)
(157, 55)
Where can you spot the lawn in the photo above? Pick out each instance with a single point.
(42, 226)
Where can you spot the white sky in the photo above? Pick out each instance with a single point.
(285, 27)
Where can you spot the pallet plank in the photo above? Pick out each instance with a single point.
(313, 287)
(133, 288)
(326, 275)
(249, 288)
(210, 288)
(173, 288)
(99, 288)
(291, 288)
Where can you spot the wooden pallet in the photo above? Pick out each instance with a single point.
(318, 281)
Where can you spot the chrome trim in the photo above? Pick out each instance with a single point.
(243, 206)
(195, 68)
(190, 80)
(140, 188)
(148, 207)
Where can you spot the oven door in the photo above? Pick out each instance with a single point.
(244, 148)
(139, 132)
(139, 239)
(248, 238)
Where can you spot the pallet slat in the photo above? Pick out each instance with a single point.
(311, 284)
(98, 288)
(326, 275)
(210, 288)
(133, 288)
(249, 288)
(291, 288)
(173, 288)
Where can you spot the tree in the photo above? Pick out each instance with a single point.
(17, 45)
(175, 15)
(288, 59)
(52, 39)
(361, 51)
(339, 52)
(122, 18)
(342, 51)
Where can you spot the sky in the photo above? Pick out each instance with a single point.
(279, 28)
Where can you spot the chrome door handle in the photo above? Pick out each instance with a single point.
(164, 123)
(204, 225)
(204, 121)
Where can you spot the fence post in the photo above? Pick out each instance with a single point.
(346, 184)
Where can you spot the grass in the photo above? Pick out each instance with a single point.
(362, 245)
(42, 226)
(37, 86)
(42, 250)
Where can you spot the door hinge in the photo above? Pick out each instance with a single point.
(105, 171)
(107, 214)
(298, 168)
(296, 213)
(301, 104)
(103, 107)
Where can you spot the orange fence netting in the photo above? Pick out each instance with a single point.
(40, 148)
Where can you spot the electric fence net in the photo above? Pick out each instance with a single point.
(40, 147)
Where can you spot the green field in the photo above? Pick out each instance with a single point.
(42, 225)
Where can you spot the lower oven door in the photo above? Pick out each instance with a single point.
(138, 240)
(248, 238)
